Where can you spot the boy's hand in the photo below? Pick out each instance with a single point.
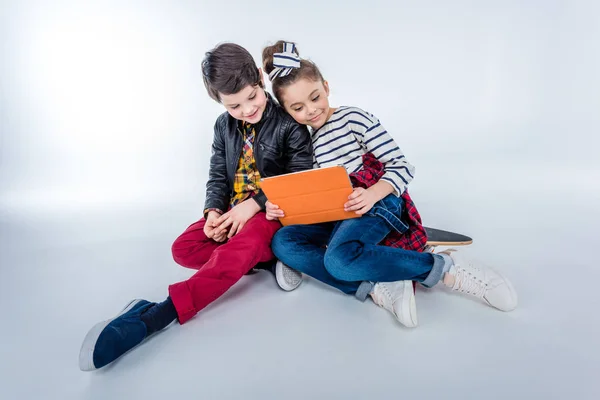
(210, 224)
(221, 237)
(236, 218)
(273, 211)
(361, 200)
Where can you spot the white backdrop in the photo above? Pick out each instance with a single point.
(103, 102)
(106, 128)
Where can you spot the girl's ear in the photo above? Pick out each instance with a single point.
(326, 86)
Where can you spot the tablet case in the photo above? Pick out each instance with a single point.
(311, 196)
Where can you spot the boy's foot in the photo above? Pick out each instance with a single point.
(399, 299)
(481, 281)
(110, 339)
(287, 278)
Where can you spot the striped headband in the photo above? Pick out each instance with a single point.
(284, 62)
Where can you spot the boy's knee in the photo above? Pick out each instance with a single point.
(177, 251)
(187, 247)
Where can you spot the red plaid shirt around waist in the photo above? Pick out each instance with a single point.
(415, 238)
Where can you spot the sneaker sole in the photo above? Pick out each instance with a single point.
(283, 284)
(410, 309)
(512, 290)
(86, 354)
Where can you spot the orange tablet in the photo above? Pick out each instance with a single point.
(312, 196)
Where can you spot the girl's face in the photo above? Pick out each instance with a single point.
(308, 102)
(247, 105)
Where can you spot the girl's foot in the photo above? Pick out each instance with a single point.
(467, 276)
(399, 299)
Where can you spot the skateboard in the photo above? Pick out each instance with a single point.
(438, 237)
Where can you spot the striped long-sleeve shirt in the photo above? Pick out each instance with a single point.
(352, 132)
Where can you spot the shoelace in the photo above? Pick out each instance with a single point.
(466, 282)
(385, 292)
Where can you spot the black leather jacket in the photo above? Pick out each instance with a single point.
(281, 146)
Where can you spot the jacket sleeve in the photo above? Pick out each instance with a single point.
(298, 147)
(217, 188)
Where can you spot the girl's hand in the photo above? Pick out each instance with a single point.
(361, 200)
(235, 219)
(273, 211)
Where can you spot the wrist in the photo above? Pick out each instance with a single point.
(212, 212)
(255, 206)
(380, 190)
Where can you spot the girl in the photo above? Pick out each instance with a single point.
(346, 254)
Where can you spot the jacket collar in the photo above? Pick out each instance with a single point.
(270, 108)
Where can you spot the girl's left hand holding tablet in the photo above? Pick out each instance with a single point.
(273, 211)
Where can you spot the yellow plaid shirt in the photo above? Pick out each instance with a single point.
(246, 182)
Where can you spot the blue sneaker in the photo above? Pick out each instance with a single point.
(110, 339)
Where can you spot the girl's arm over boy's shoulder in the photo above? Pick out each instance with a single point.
(299, 148)
(376, 140)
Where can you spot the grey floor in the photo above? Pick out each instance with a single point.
(63, 272)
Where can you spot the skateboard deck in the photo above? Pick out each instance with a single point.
(438, 237)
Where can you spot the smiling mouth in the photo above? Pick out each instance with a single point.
(315, 118)
(252, 115)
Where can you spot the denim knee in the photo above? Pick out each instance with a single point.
(336, 261)
(279, 241)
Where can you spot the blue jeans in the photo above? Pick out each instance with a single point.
(347, 256)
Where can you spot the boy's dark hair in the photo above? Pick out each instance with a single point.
(227, 69)
(307, 70)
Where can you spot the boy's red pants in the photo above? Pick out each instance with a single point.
(219, 265)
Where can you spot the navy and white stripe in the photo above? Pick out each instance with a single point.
(352, 132)
(285, 62)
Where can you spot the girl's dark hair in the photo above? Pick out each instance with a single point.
(227, 69)
(307, 70)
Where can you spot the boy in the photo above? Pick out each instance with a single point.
(253, 139)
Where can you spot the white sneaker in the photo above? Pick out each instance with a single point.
(287, 278)
(399, 299)
(481, 281)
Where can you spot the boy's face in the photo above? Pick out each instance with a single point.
(246, 105)
(307, 101)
